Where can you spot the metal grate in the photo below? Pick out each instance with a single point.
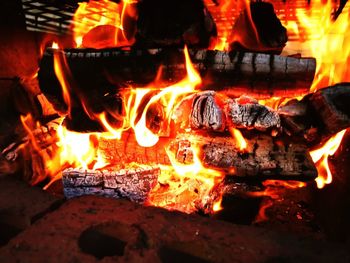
(48, 16)
(55, 16)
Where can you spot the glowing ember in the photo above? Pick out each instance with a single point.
(182, 186)
(320, 157)
(217, 205)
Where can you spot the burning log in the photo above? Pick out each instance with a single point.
(215, 112)
(256, 75)
(259, 30)
(264, 158)
(162, 24)
(96, 73)
(319, 115)
(133, 183)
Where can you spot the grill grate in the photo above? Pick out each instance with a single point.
(55, 16)
(48, 16)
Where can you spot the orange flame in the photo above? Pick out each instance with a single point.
(100, 24)
(61, 69)
(224, 32)
(320, 157)
(239, 139)
(218, 205)
(325, 39)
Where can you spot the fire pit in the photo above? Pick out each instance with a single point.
(229, 110)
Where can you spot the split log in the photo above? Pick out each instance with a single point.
(319, 115)
(97, 73)
(259, 30)
(264, 158)
(133, 183)
(211, 111)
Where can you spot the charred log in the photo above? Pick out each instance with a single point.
(258, 30)
(97, 73)
(319, 115)
(214, 112)
(166, 24)
(264, 158)
(132, 183)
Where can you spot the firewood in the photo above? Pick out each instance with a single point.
(98, 73)
(162, 24)
(259, 31)
(133, 183)
(264, 158)
(319, 115)
(228, 188)
(215, 112)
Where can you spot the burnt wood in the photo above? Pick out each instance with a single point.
(264, 158)
(132, 183)
(259, 31)
(318, 115)
(163, 23)
(97, 73)
(208, 110)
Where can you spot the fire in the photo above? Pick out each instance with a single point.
(225, 31)
(325, 39)
(320, 157)
(239, 139)
(218, 205)
(62, 72)
(183, 186)
(168, 97)
(100, 24)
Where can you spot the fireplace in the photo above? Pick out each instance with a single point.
(132, 121)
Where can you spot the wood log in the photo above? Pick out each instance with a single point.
(264, 158)
(133, 183)
(97, 73)
(214, 112)
(138, 184)
(319, 115)
(259, 30)
(162, 24)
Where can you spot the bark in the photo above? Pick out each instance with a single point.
(97, 73)
(319, 115)
(259, 31)
(133, 183)
(211, 111)
(264, 158)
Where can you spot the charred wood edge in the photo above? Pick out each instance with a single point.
(49, 124)
(229, 186)
(132, 183)
(206, 113)
(265, 158)
(262, 75)
(319, 115)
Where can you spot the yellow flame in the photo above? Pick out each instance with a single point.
(327, 40)
(239, 139)
(61, 69)
(320, 157)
